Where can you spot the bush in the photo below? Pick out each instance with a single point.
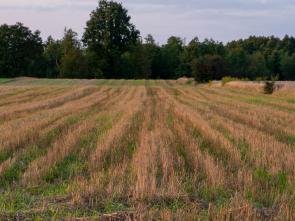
(275, 77)
(190, 82)
(208, 68)
(269, 87)
(227, 79)
(259, 79)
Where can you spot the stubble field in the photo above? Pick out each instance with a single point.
(144, 150)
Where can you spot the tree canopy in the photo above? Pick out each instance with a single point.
(111, 47)
(108, 35)
(20, 51)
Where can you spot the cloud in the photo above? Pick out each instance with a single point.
(46, 4)
(189, 4)
(221, 19)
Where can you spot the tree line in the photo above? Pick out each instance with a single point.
(111, 47)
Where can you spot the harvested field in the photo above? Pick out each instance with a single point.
(144, 150)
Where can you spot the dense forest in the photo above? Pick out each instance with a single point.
(111, 47)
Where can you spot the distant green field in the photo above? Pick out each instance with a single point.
(5, 80)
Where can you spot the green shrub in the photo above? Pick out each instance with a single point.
(259, 79)
(227, 79)
(243, 79)
(190, 82)
(269, 87)
(210, 83)
(274, 77)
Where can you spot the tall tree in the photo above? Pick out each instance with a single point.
(52, 56)
(257, 66)
(209, 67)
(275, 60)
(109, 33)
(238, 62)
(136, 63)
(190, 52)
(288, 67)
(73, 62)
(171, 57)
(20, 51)
(153, 54)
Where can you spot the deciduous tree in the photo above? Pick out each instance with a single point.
(108, 34)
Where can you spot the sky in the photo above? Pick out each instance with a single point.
(222, 20)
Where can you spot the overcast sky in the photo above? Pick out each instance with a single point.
(222, 20)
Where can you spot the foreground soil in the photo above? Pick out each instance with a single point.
(144, 150)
